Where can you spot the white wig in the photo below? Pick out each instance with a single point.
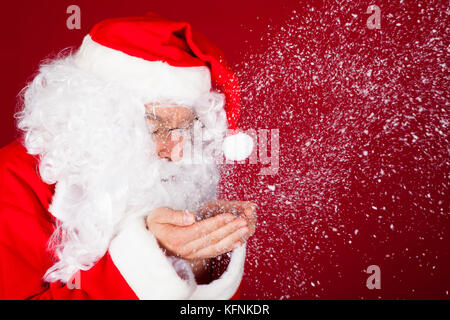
(94, 143)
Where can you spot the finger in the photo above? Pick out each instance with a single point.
(250, 209)
(251, 231)
(250, 214)
(225, 245)
(204, 227)
(175, 217)
(237, 207)
(217, 235)
(222, 205)
(177, 237)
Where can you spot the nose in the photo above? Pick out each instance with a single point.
(164, 153)
(170, 150)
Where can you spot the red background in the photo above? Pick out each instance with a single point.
(348, 102)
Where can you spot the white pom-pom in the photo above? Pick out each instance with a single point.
(238, 146)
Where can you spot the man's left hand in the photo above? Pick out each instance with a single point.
(245, 209)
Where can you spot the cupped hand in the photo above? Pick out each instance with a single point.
(179, 234)
(241, 209)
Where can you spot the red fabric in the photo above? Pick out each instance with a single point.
(25, 228)
(154, 38)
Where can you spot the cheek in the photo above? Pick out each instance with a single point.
(158, 144)
(172, 148)
(176, 148)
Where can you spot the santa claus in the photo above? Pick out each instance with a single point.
(103, 197)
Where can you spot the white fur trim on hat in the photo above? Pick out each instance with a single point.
(151, 275)
(151, 80)
(238, 146)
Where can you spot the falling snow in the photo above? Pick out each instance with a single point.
(364, 146)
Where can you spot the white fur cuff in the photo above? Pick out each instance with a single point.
(151, 275)
(144, 266)
(225, 287)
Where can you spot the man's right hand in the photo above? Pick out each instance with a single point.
(179, 234)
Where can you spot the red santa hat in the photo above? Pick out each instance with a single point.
(162, 59)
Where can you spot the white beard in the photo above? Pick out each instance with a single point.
(94, 143)
(187, 186)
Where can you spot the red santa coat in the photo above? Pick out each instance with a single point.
(133, 268)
